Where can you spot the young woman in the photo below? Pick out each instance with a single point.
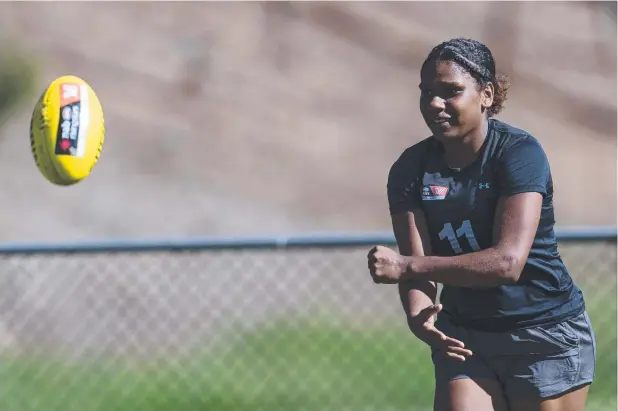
(472, 209)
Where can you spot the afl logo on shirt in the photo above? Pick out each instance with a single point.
(434, 193)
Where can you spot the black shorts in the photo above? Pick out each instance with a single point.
(537, 362)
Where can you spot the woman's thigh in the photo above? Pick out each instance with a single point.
(574, 400)
(468, 385)
(470, 394)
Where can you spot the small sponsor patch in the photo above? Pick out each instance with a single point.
(431, 192)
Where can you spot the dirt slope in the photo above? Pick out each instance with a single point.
(296, 111)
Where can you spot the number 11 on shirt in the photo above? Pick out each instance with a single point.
(464, 231)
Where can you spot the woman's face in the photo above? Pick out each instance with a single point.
(452, 103)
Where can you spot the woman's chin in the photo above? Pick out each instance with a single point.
(442, 132)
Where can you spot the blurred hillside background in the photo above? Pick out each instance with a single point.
(258, 118)
(282, 118)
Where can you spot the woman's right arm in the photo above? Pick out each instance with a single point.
(412, 237)
(410, 228)
(409, 225)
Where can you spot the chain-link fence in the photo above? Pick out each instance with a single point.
(232, 327)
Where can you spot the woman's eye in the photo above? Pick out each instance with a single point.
(426, 93)
(444, 93)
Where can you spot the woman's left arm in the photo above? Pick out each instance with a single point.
(524, 178)
(517, 219)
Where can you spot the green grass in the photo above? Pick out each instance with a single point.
(307, 367)
(310, 366)
(602, 308)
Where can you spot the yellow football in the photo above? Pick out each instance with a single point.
(67, 131)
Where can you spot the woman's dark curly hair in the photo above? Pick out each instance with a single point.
(476, 59)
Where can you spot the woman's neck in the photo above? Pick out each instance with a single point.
(463, 152)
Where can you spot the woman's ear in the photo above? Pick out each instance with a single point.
(487, 95)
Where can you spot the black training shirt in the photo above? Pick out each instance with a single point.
(460, 205)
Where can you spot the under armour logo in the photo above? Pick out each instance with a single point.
(483, 185)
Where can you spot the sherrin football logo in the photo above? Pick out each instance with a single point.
(67, 131)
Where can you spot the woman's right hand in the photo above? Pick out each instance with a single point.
(422, 325)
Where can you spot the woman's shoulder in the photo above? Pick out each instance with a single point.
(508, 138)
(508, 130)
(410, 162)
(417, 151)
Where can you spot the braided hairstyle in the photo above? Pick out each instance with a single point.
(474, 57)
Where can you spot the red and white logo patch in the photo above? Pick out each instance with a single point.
(439, 191)
(434, 192)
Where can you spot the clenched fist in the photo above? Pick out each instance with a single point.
(385, 265)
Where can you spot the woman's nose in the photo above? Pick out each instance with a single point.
(437, 103)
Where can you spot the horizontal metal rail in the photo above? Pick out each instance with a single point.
(326, 240)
